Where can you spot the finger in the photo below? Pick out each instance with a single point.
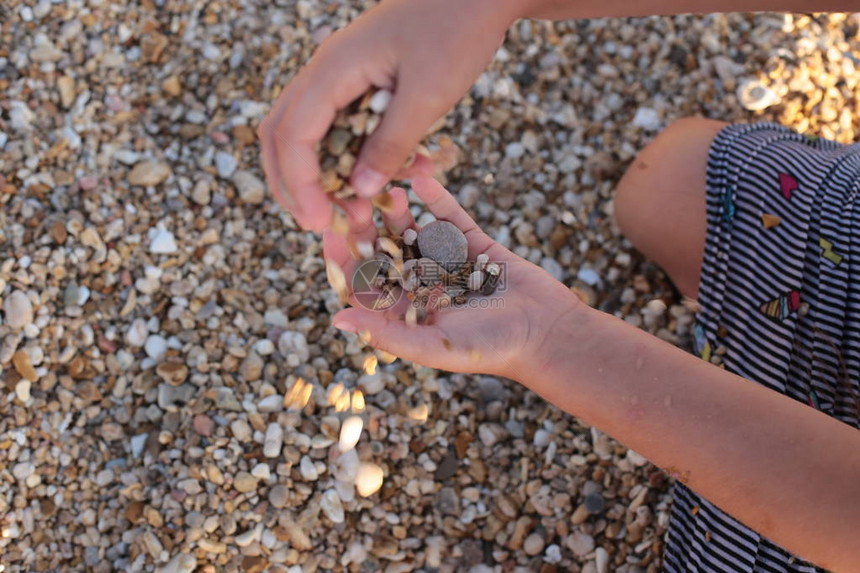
(422, 166)
(292, 175)
(336, 249)
(274, 177)
(398, 218)
(308, 111)
(445, 207)
(303, 192)
(383, 154)
(359, 218)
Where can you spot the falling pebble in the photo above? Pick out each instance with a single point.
(337, 280)
(298, 395)
(350, 432)
(769, 220)
(358, 404)
(342, 403)
(334, 393)
(368, 479)
(385, 357)
(370, 363)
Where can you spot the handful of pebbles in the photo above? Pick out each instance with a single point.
(429, 265)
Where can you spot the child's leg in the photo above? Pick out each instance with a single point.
(660, 201)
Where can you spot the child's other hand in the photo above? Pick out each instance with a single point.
(428, 52)
(500, 334)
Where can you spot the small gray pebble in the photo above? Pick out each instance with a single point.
(594, 503)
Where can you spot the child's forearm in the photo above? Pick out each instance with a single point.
(779, 466)
(558, 9)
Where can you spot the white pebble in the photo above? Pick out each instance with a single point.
(162, 242)
(19, 309)
(250, 187)
(308, 469)
(181, 563)
(274, 440)
(331, 506)
(226, 164)
(22, 390)
(273, 403)
(588, 276)
(379, 101)
(515, 150)
(137, 444)
(647, 118)
(156, 347)
(261, 471)
(249, 537)
(481, 261)
(410, 236)
(476, 279)
(136, 334)
(541, 438)
(264, 347)
(601, 559)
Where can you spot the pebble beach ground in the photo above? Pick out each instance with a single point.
(159, 309)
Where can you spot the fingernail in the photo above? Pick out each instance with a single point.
(344, 325)
(367, 182)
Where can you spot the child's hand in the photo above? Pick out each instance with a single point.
(428, 52)
(499, 335)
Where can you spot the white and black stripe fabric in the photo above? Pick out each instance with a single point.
(780, 306)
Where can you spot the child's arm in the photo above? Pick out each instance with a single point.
(783, 468)
(429, 52)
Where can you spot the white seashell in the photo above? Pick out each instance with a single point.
(756, 96)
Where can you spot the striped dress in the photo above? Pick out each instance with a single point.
(780, 305)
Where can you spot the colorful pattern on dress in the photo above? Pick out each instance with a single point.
(782, 306)
(827, 251)
(729, 206)
(701, 346)
(787, 184)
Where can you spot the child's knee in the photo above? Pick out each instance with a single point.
(673, 164)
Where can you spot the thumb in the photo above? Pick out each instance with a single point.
(384, 153)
